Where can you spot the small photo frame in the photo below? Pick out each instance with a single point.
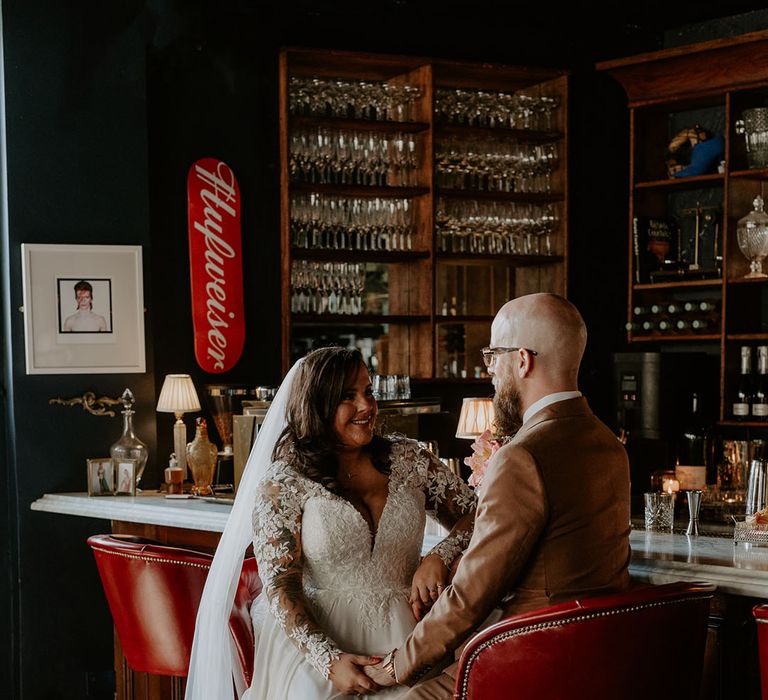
(101, 477)
(125, 476)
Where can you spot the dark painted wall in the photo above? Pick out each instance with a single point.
(77, 173)
(108, 104)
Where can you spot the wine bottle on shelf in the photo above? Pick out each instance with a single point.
(632, 327)
(760, 393)
(650, 326)
(743, 398)
(641, 310)
(658, 308)
(452, 308)
(709, 305)
(703, 324)
(444, 307)
(665, 326)
(693, 450)
(674, 308)
(683, 325)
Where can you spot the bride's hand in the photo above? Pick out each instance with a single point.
(428, 583)
(348, 677)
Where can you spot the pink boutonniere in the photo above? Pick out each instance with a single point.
(483, 449)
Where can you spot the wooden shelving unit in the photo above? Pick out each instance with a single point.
(416, 284)
(708, 84)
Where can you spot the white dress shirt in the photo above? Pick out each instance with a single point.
(548, 400)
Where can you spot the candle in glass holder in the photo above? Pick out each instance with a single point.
(670, 485)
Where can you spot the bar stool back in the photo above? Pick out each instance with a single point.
(760, 613)
(154, 591)
(643, 643)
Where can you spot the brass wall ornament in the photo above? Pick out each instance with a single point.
(89, 402)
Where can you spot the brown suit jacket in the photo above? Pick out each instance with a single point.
(552, 524)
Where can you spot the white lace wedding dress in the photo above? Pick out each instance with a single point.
(330, 586)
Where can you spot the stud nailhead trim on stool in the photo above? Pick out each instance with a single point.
(557, 623)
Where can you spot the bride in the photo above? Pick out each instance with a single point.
(338, 519)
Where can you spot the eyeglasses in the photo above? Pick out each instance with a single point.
(489, 354)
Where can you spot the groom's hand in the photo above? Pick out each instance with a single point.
(377, 674)
(428, 583)
(346, 674)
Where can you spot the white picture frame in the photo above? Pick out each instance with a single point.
(125, 476)
(83, 309)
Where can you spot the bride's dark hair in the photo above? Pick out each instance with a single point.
(308, 442)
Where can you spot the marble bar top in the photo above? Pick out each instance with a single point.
(151, 508)
(739, 569)
(736, 568)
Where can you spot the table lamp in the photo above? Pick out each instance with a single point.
(476, 417)
(178, 396)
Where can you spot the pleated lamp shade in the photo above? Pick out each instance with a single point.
(476, 417)
(178, 395)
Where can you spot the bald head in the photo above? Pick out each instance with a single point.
(549, 324)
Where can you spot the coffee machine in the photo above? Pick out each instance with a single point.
(652, 400)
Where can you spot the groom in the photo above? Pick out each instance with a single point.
(552, 522)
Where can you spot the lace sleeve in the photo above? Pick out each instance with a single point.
(277, 546)
(453, 503)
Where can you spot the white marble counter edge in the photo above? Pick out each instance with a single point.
(210, 517)
(728, 580)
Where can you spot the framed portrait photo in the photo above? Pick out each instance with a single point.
(101, 477)
(125, 476)
(83, 309)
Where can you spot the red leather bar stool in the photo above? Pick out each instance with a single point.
(643, 643)
(760, 613)
(154, 591)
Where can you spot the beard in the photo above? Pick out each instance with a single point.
(506, 404)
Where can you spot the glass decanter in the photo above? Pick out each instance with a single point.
(128, 446)
(752, 236)
(201, 458)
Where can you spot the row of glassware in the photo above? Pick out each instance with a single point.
(351, 223)
(327, 287)
(488, 227)
(495, 166)
(341, 157)
(486, 108)
(352, 99)
(382, 101)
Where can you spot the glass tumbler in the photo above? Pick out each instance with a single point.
(659, 511)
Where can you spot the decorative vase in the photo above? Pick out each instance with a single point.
(128, 446)
(752, 236)
(201, 458)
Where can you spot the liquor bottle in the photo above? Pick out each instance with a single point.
(760, 394)
(693, 450)
(452, 309)
(444, 307)
(743, 398)
(201, 457)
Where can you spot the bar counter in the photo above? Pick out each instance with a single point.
(736, 569)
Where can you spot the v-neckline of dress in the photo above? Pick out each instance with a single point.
(373, 536)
